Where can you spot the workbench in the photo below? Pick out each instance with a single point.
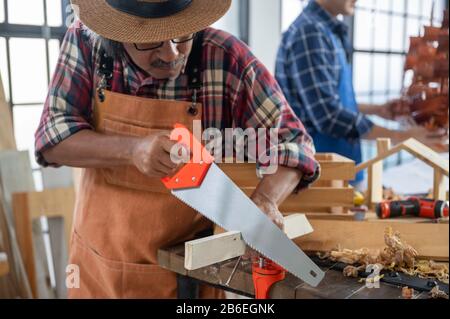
(333, 286)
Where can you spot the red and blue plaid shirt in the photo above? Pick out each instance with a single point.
(238, 92)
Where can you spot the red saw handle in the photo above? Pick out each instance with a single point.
(192, 174)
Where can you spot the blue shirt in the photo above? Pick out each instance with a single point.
(308, 70)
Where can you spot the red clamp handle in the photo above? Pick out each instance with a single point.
(192, 174)
(265, 276)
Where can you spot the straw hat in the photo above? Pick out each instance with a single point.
(144, 21)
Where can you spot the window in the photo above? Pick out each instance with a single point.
(381, 39)
(38, 29)
(290, 10)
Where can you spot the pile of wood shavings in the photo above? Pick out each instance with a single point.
(396, 256)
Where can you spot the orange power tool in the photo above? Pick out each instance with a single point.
(413, 206)
(265, 274)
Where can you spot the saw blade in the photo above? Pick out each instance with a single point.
(220, 200)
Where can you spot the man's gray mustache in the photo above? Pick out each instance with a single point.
(171, 65)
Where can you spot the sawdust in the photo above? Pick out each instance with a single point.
(396, 256)
(437, 293)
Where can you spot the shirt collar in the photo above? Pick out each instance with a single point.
(323, 16)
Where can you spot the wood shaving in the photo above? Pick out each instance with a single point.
(396, 256)
(437, 293)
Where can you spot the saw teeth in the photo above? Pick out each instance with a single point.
(222, 226)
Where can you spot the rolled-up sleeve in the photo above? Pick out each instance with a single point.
(310, 59)
(263, 105)
(68, 106)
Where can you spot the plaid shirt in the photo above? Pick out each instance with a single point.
(308, 70)
(238, 92)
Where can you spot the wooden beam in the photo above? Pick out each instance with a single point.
(28, 206)
(375, 175)
(7, 141)
(415, 148)
(210, 250)
(4, 265)
(334, 167)
(427, 155)
(214, 249)
(315, 197)
(439, 186)
(430, 240)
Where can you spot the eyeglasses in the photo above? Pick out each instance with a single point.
(157, 45)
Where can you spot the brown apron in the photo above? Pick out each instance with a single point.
(123, 217)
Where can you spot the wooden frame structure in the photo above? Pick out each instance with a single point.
(415, 148)
(330, 193)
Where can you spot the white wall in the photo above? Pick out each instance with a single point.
(265, 26)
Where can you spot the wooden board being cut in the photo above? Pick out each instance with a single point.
(430, 240)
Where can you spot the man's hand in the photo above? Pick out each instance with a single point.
(269, 208)
(391, 110)
(151, 156)
(429, 138)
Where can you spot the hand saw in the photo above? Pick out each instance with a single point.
(203, 186)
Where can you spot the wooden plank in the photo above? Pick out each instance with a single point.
(427, 155)
(375, 175)
(224, 246)
(28, 206)
(43, 282)
(60, 254)
(337, 167)
(334, 167)
(210, 250)
(417, 149)
(439, 185)
(297, 225)
(7, 141)
(380, 157)
(318, 197)
(16, 174)
(314, 197)
(4, 265)
(430, 240)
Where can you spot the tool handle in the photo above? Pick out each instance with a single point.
(265, 276)
(192, 174)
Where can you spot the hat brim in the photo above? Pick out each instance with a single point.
(115, 25)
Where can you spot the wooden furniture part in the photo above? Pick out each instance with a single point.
(7, 141)
(415, 148)
(29, 206)
(430, 240)
(4, 265)
(220, 247)
(331, 191)
(333, 286)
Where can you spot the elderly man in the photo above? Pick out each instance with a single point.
(128, 71)
(314, 72)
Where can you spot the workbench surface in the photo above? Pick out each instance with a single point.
(333, 286)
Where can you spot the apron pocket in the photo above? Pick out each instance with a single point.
(105, 278)
(130, 176)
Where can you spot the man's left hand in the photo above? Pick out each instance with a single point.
(269, 208)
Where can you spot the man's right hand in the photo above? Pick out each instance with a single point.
(430, 138)
(151, 155)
